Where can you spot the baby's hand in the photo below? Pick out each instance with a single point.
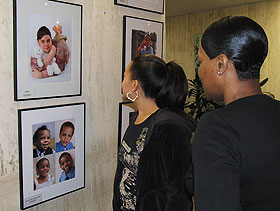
(53, 50)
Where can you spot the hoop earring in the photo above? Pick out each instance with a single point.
(128, 96)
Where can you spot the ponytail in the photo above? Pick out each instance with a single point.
(166, 83)
(173, 94)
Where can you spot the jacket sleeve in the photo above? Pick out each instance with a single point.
(176, 160)
(216, 165)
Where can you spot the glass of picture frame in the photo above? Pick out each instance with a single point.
(51, 152)
(141, 36)
(47, 71)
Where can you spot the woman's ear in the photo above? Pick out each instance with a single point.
(135, 85)
(221, 64)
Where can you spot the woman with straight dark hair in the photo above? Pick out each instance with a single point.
(236, 149)
(154, 155)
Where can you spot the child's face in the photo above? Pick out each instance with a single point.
(45, 43)
(66, 135)
(44, 168)
(148, 42)
(66, 164)
(44, 140)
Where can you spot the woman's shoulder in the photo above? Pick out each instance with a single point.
(172, 117)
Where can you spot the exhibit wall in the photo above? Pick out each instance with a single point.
(181, 31)
(102, 36)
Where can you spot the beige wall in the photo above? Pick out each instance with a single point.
(102, 57)
(180, 32)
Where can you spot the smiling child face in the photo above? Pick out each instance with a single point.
(45, 43)
(43, 168)
(44, 140)
(66, 135)
(66, 164)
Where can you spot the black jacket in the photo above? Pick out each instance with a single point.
(163, 165)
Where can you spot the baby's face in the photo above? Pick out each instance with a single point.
(44, 168)
(45, 43)
(66, 164)
(44, 140)
(66, 135)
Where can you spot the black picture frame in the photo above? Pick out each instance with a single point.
(63, 76)
(126, 111)
(135, 30)
(150, 6)
(44, 177)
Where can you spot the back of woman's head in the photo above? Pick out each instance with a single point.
(166, 83)
(242, 40)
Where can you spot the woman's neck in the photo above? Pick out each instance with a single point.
(242, 89)
(145, 107)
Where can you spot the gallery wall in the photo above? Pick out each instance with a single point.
(101, 69)
(181, 30)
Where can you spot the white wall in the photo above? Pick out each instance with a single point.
(102, 62)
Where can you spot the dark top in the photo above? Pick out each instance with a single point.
(129, 154)
(48, 151)
(236, 157)
(162, 167)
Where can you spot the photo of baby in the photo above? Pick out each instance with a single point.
(66, 133)
(44, 172)
(43, 140)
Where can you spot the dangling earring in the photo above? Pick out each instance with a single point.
(128, 96)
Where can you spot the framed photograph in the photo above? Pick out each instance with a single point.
(141, 36)
(126, 111)
(47, 49)
(51, 152)
(156, 6)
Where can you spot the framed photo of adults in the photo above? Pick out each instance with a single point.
(156, 6)
(141, 36)
(51, 152)
(47, 49)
